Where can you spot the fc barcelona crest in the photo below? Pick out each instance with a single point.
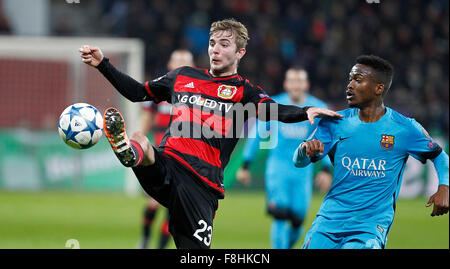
(226, 92)
(387, 141)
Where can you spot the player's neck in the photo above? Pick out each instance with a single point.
(371, 113)
(299, 100)
(217, 73)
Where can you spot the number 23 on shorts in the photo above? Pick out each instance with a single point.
(204, 228)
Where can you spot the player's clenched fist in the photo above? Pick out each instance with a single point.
(91, 55)
(312, 148)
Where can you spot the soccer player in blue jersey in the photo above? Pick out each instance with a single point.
(369, 148)
(288, 193)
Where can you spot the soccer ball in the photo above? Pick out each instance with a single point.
(80, 126)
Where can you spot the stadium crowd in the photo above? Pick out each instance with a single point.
(322, 36)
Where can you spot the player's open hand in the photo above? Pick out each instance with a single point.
(91, 55)
(312, 148)
(319, 112)
(440, 201)
(243, 176)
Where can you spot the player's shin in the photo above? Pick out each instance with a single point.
(143, 148)
(279, 234)
(138, 152)
(165, 235)
(149, 216)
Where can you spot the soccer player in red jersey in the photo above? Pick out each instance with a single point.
(210, 107)
(155, 118)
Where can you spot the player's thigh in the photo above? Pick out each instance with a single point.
(320, 240)
(152, 203)
(192, 209)
(361, 240)
(191, 223)
(277, 190)
(300, 193)
(155, 179)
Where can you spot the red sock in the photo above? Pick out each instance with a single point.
(138, 151)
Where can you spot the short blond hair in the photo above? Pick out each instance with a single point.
(236, 27)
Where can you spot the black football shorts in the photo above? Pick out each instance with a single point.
(191, 205)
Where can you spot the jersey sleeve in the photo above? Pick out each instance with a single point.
(130, 88)
(441, 166)
(267, 109)
(324, 133)
(420, 144)
(256, 95)
(161, 88)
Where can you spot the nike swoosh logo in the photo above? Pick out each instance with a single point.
(343, 138)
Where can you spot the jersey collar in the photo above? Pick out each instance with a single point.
(236, 76)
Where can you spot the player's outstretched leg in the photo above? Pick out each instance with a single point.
(130, 152)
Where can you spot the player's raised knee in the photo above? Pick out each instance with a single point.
(141, 139)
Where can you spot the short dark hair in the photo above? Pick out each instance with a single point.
(298, 68)
(384, 71)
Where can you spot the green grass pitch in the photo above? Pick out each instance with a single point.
(97, 220)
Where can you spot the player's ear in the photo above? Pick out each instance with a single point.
(379, 90)
(241, 52)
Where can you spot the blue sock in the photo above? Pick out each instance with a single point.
(279, 234)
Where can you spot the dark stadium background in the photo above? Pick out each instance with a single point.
(322, 36)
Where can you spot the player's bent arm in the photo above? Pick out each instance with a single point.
(441, 198)
(291, 114)
(271, 110)
(126, 85)
(309, 151)
(300, 159)
(441, 164)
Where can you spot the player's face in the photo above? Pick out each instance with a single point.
(362, 88)
(296, 84)
(179, 59)
(223, 53)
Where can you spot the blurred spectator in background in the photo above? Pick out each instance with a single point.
(4, 24)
